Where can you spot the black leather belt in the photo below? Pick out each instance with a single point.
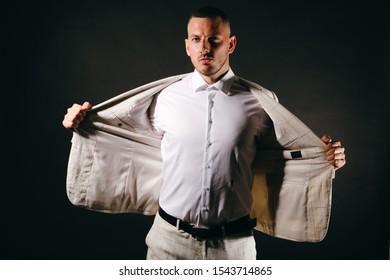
(213, 232)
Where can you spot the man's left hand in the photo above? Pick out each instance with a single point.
(334, 152)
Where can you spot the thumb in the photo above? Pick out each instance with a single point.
(326, 139)
(86, 105)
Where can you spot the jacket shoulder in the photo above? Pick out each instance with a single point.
(252, 85)
(155, 86)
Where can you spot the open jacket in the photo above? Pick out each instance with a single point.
(115, 165)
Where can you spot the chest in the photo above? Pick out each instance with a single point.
(209, 116)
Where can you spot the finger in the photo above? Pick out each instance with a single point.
(339, 150)
(336, 144)
(73, 114)
(339, 163)
(335, 153)
(339, 156)
(69, 124)
(331, 157)
(76, 107)
(66, 124)
(77, 111)
(74, 110)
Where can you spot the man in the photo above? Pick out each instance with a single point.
(211, 126)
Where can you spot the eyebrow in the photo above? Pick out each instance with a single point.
(211, 35)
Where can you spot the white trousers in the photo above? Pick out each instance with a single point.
(166, 242)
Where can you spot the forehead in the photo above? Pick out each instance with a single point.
(207, 25)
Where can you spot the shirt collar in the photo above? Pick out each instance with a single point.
(224, 84)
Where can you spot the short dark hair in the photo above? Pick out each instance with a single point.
(210, 12)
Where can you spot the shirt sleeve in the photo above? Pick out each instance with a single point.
(154, 115)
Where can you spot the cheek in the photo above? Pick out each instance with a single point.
(192, 52)
(222, 51)
(194, 49)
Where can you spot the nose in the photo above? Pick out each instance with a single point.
(205, 46)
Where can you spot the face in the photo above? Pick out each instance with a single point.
(209, 45)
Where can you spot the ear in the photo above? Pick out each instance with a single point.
(232, 44)
(187, 47)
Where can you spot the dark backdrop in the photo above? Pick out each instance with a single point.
(326, 60)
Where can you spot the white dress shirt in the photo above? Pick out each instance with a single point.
(210, 133)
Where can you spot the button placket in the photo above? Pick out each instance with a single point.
(208, 164)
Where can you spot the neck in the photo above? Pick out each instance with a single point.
(215, 78)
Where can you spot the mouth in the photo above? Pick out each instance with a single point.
(205, 60)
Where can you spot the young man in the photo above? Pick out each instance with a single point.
(211, 126)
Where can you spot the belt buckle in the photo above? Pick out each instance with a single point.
(199, 233)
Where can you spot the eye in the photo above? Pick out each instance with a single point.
(214, 39)
(195, 39)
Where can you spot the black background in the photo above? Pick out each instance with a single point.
(326, 60)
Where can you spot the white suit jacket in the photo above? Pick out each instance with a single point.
(115, 165)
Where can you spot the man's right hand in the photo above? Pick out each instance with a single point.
(75, 115)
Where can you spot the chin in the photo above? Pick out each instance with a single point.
(206, 71)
